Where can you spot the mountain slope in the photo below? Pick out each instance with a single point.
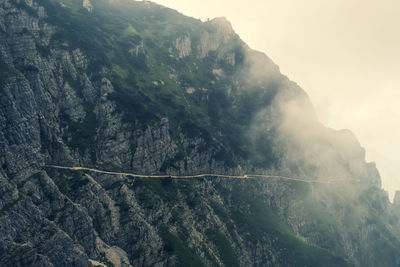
(135, 87)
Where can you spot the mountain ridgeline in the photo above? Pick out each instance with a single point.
(134, 87)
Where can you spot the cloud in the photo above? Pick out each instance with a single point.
(343, 53)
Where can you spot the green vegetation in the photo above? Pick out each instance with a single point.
(83, 133)
(32, 177)
(385, 237)
(9, 206)
(67, 180)
(136, 47)
(248, 213)
(224, 247)
(176, 246)
(134, 44)
(166, 189)
(7, 71)
(125, 215)
(262, 223)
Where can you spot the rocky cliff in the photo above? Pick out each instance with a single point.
(135, 87)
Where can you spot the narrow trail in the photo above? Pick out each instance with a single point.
(244, 176)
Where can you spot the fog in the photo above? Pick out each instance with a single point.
(343, 53)
(306, 149)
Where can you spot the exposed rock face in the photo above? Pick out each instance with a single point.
(121, 102)
(137, 49)
(218, 33)
(88, 5)
(183, 45)
(396, 200)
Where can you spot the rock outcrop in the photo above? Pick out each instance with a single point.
(135, 87)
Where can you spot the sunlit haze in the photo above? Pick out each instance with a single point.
(344, 54)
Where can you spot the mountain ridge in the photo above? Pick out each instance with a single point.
(135, 87)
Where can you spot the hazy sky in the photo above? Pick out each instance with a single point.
(344, 53)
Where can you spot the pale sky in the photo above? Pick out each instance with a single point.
(344, 53)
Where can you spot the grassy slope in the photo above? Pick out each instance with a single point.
(145, 91)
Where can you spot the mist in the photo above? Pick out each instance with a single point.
(344, 54)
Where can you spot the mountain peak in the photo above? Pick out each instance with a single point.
(222, 24)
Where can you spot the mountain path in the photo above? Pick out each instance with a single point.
(244, 176)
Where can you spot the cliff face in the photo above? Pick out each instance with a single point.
(150, 91)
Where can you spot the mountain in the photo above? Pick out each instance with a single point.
(118, 86)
